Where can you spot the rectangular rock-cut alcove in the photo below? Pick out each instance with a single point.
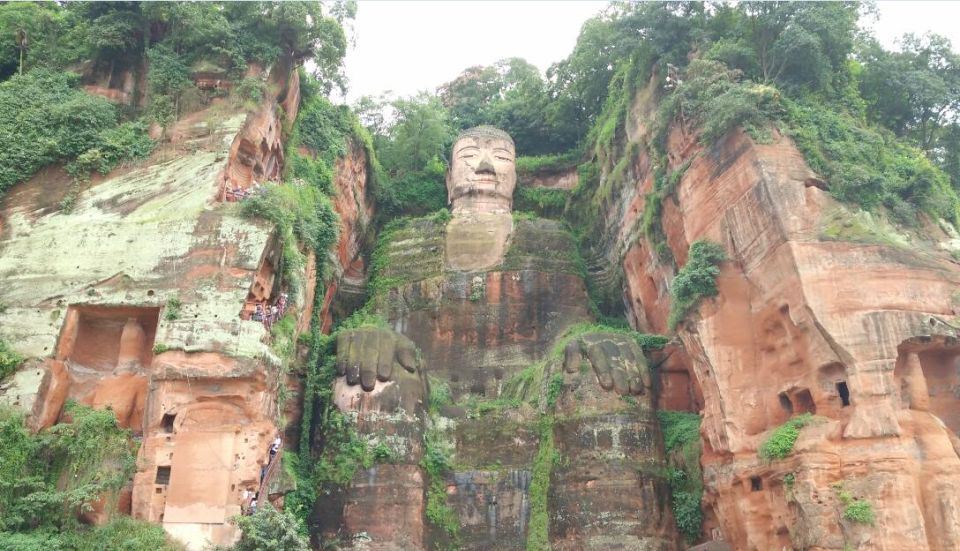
(91, 335)
(928, 374)
(108, 350)
(941, 369)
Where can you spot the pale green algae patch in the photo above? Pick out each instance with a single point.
(140, 239)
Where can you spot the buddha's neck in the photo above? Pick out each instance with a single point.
(477, 241)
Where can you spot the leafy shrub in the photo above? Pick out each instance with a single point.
(652, 342)
(554, 389)
(441, 217)
(125, 534)
(548, 163)
(362, 318)
(679, 428)
(781, 442)
(713, 97)
(860, 511)
(9, 360)
(545, 202)
(45, 119)
(172, 310)
(311, 170)
(251, 89)
(421, 192)
(697, 279)
(46, 479)
(302, 214)
(868, 166)
(115, 145)
(160, 348)
(855, 509)
(270, 530)
(323, 127)
(439, 395)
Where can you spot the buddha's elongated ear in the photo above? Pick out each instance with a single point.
(447, 180)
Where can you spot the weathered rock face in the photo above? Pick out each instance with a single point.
(352, 203)
(854, 332)
(132, 301)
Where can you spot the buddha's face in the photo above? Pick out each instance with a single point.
(482, 174)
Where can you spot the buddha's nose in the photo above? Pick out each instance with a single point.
(485, 167)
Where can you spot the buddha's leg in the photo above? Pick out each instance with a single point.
(607, 486)
(382, 388)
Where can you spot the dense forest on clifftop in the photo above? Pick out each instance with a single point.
(879, 126)
(881, 129)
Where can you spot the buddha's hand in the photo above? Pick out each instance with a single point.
(616, 359)
(371, 354)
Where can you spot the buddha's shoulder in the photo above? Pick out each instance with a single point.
(410, 250)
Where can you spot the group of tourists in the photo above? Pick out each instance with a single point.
(267, 313)
(237, 193)
(249, 503)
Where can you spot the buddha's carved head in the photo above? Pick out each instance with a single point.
(482, 173)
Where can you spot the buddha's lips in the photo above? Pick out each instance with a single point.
(484, 181)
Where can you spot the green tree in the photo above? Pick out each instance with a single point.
(510, 94)
(113, 30)
(420, 132)
(10, 360)
(949, 153)
(578, 84)
(374, 113)
(800, 43)
(914, 92)
(270, 530)
(470, 96)
(48, 478)
(51, 40)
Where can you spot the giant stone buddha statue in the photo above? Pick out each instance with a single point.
(476, 305)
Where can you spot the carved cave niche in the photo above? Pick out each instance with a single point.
(762, 501)
(795, 400)
(927, 374)
(93, 336)
(108, 351)
(834, 390)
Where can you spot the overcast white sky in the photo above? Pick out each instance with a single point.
(406, 46)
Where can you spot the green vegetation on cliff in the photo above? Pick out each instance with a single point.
(855, 509)
(48, 479)
(270, 530)
(330, 448)
(45, 118)
(538, 531)
(780, 443)
(437, 464)
(120, 533)
(799, 67)
(681, 436)
(696, 280)
(9, 360)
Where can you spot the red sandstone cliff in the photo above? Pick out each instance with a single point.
(132, 301)
(854, 332)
